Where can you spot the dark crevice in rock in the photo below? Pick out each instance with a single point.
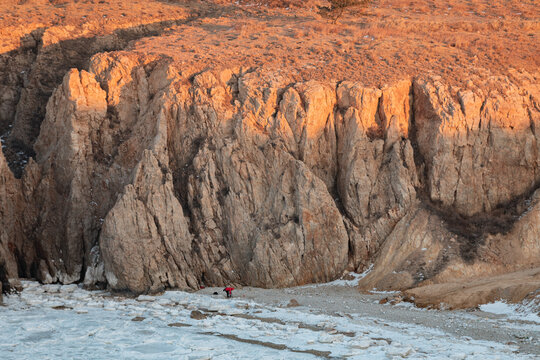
(5, 286)
(377, 131)
(531, 121)
(17, 155)
(419, 160)
(181, 175)
(334, 191)
(14, 67)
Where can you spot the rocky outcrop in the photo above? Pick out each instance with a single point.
(146, 178)
(377, 175)
(93, 139)
(256, 213)
(481, 149)
(479, 219)
(30, 74)
(145, 240)
(63, 178)
(423, 250)
(12, 240)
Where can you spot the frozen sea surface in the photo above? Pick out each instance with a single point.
(67, 322)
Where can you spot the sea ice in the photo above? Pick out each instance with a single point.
(53, 322)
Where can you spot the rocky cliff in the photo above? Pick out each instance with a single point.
(145, 179)
(149, 175)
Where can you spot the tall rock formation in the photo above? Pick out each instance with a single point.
(11, 237)
(147, 178)
(479, 214)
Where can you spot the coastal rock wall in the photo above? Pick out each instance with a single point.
(146, 178)
(481, 148)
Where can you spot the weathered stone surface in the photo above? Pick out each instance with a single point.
(145, 179)
(46, 54)
(377, 175)
(197, 315)
(422, 250)
(293, 303)
(261, 216)
(480, 157)
(11, 236)
(87, 152)
(241, 226)
(63, 190)
(307, 111)
(145, 242)
(482, 150)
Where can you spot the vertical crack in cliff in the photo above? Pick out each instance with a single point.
(419, 160)
(335, 193)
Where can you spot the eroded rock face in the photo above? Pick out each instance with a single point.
(38, 66)
(481, 149)
(377, 175)
(11, 237)
(241, 226)
(481, 163)
(63, 190)
(256, 213)
(145, 179)
(145, 240)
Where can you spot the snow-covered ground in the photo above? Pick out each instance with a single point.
(524, 311)
(67, 322)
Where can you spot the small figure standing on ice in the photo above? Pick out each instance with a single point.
(228, 290)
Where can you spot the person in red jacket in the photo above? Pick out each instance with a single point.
(228, 290)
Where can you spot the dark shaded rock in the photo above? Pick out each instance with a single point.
(197, 315)
(293, 303)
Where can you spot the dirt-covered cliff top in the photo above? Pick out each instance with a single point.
(18, 18)
(388, 41)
